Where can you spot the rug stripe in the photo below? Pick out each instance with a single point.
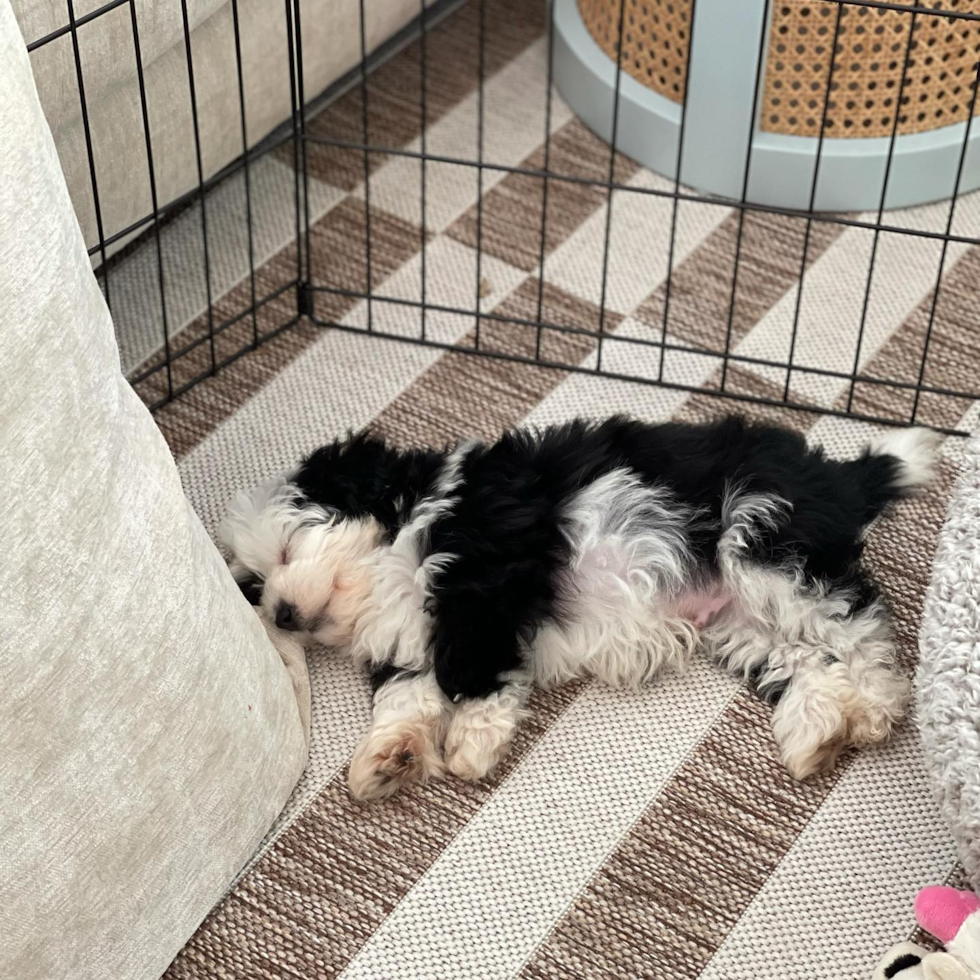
(510, 870)
(833, 299)
(954, 352)
(639, 238)
(769, 264)
(511, 214)
(513, 128)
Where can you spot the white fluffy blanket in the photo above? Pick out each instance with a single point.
(949, 667)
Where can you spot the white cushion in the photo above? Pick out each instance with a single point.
(149, 732)
(948, 682)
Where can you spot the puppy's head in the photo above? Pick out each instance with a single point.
(309, 568)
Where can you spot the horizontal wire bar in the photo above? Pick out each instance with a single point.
(632, 379)
(79, 21)
(220, 328)
(231, 358)
(643, 342)
(726, 202)
(191, 196)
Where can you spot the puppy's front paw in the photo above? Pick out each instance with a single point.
(393, 756)
(479, 736)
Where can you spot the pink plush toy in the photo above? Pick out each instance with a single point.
(951, 916)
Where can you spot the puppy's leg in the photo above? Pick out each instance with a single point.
(825, 646)
(480, 665)
(831, 670)
(482, 728)
(849, 693)
(404, 742)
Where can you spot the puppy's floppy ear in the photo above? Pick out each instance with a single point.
(258, 522)
(943, 966)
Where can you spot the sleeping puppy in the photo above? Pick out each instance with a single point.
(462, 578)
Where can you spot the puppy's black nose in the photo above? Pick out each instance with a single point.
(286, 618)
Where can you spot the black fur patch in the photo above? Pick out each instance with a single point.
(362, 477)
(770, 693)
(386, 672)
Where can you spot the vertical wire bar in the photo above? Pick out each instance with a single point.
(248, 184)
(763, 39)
(367, 169)
(677, 188)
(153, 198)
(423, 122)
(301, 91)
(546, 166)
(881, 211)
(88, 147)
(942, 255)
(296, 140)
(480, 44)
(609, 185)
(813, 199)
(200, 178)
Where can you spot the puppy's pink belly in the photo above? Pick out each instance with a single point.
(702, 607)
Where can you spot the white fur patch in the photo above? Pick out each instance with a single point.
(259, 523)
(918, 449)
(481, 729)
(630, 558)
(305, 557)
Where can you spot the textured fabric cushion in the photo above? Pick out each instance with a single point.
(949, 666)
(331, 47)
(149, 730)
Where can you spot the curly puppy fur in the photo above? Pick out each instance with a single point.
(461, 578)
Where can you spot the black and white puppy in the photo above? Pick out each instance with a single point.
(461, 578)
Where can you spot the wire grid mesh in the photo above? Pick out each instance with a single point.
(336, 126)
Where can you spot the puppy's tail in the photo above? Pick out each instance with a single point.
(896, 464)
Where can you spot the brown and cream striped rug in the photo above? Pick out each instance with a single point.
(626, 836)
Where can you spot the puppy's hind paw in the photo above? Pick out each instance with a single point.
(480, 734)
